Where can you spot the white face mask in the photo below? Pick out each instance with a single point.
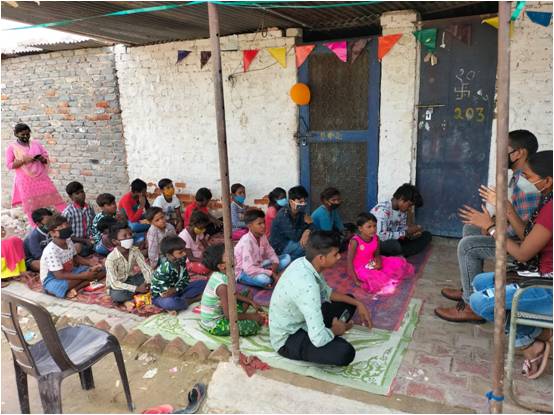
(126, 243)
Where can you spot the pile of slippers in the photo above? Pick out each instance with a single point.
(195, 398)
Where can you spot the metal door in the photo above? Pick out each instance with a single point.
(455, 113)
(339, 130)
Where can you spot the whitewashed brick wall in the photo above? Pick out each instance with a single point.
(169, 116)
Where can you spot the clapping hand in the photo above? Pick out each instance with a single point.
(471, 216)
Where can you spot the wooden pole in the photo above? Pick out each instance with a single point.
(503, 111)
(224, 176)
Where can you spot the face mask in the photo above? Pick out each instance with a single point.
(199, 231)
(182, 261)
(300, 207)
(282, 202)
(24, 139)
(126, 243)
(538, 181)
(169, 193)
(43, 228)
(239, 199)
(65, 233)
(335, 206)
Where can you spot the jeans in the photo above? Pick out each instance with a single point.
(337, 352)
(294, 249)
(179, 301)
(405, 247)
(263, 280)
(120, 296)
(534, 300)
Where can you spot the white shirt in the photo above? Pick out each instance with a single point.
(167, 207)
(55, 258)
(195, 246)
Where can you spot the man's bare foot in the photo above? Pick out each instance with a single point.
(129, 305)
(536, 357)
(71, 293)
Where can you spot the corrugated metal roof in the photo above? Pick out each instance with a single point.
(191, 22)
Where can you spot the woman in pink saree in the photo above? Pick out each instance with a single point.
(32, 187)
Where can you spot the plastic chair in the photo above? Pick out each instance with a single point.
(60, 353)
(526, 319)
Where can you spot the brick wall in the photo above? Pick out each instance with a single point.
(70, 100)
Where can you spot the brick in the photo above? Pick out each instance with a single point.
(199, 352)
(263, 201)
(437, 363)
(98, 117)
(102, 104)
(51, 93)
(424, 391)
(69, 117)
(86, 172)
(135, 339)
(119, 331)
(103, 325)
(180, 185)
(5, 97)
(176, 348)
(154, 345)
(471, 368)
(221, 354)
(63, 104)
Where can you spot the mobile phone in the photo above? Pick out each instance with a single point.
(344, 316)
(37, 157)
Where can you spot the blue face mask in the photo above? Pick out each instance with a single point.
(282, 202)
(239, 199)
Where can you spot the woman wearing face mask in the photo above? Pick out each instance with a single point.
(32, 188)
(326, 217)
(536, 237)
(277, 200)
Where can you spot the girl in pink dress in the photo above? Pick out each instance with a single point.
(375, 273)
(32, 188)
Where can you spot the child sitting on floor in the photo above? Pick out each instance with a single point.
(377, 274)
(171, 286)
(103, 226)
(132, 205)
(108, 208)
(158, 230)
(256, 263)
(277, 200)
(122, 284)
(238, 196)
(13, 256)
(214, 309)
(80, 216)
(196, 239)
(58, 273)
(170, 204)
(35, 242)
(201, 202)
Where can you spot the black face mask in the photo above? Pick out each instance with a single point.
(510, 162)
(23, 140)
(335, 206)
(66, 233)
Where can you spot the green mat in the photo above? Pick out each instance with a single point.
(378, 352)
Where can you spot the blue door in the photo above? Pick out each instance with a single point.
(455, 113)
(339, 129)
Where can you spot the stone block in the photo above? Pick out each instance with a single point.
(154, 345)
(119, 331)
(103, 325)
(422, 390)
(199, 351)
(135, 339)
(176, 348)
(221, 354)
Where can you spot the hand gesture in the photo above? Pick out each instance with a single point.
(364, 314)
(474, 217)
(308, 219)
(143, 288)
(96, 268)
(339, 327)
(170, 292)
(142, 201)
(488, 195)
(304, 239)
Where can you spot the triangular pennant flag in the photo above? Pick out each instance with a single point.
(493, 21)
(462, 32)
(542, 18)
(427, 37)
(385, 44)
(182, 54)
(247, 57)
(357, 48)
(302, 53)
(205, 56)
(338, 48)
(517, 11)
(280, 55)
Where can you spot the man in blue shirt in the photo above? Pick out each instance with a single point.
(37, 239)
(326, 217)
(291, 227)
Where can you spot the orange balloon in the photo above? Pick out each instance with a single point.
(300, 94)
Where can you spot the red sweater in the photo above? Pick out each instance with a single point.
(131, 207)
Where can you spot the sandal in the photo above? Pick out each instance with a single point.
(196, 396)
(160, 409)
(542, 358)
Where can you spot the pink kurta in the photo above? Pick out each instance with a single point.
(379, 281)
(32, 187)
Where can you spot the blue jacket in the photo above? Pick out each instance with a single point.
(284, 229)
(325, 220)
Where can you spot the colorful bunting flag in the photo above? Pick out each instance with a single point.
(205, 56)
(357, 48)
(247, 57)
(462, 32)
(385, 44)
(182, 54)
(302, 53)
(280, 55)
(493, 21)
(542, 18)
(339, 49)
(517, 11)
(427, 37)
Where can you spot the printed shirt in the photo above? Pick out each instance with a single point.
(119, 268)
(80, 219)
(391, 224)
(211, 310)
(131, 207)
(96, 234)
(55, 258)
(168, 207)
(153, 238)
(237, 215)
(249, 255)
(191, 208)
(284, 229)
(167, 276)
(34, 243)
(325, 220)
(194, 245)
(296, 304)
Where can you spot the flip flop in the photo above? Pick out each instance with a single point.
(196, 396)
(542, 358)
(160, 409)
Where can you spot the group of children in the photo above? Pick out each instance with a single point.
(154, 249)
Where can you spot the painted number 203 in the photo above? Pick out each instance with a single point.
(470, 113)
